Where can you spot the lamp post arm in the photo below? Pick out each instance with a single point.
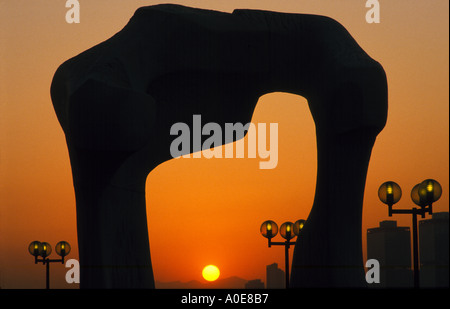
(402, 211)
(420, 211)
(46, 260)
(281, 243)
(277, 243)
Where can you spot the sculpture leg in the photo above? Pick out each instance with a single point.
(329, 248)
(110, 148)
(328, 251)
(113, 238)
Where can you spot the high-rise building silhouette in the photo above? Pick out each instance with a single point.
(275, 277)
(433, 248)
(391, 246)
(254, 284)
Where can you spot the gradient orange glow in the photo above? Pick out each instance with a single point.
(203, 210)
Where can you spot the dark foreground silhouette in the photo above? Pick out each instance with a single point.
(117, 101)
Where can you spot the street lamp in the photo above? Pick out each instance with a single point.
(424, 195)
(288, 231)
(389, 193)
(43, 249)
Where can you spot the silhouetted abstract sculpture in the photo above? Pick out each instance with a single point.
(117, 101)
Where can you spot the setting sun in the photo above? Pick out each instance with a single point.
(211, 273)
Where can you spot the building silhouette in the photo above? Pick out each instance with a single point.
(275, 277)
(254, 284)
(391, 246)
(433, 251)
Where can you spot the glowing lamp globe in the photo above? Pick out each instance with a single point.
(430, 191)
(46, 249)
(35, 248)
(298, 226)
(418, 198)
(269, 229)
(389, 193)
(287, 230)
(62, 248)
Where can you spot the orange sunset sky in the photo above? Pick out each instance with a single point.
(208, 211)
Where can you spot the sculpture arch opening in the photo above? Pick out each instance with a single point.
(229, 198)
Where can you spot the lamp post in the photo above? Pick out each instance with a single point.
(43, 249)
(424, 195)
(288, 231)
